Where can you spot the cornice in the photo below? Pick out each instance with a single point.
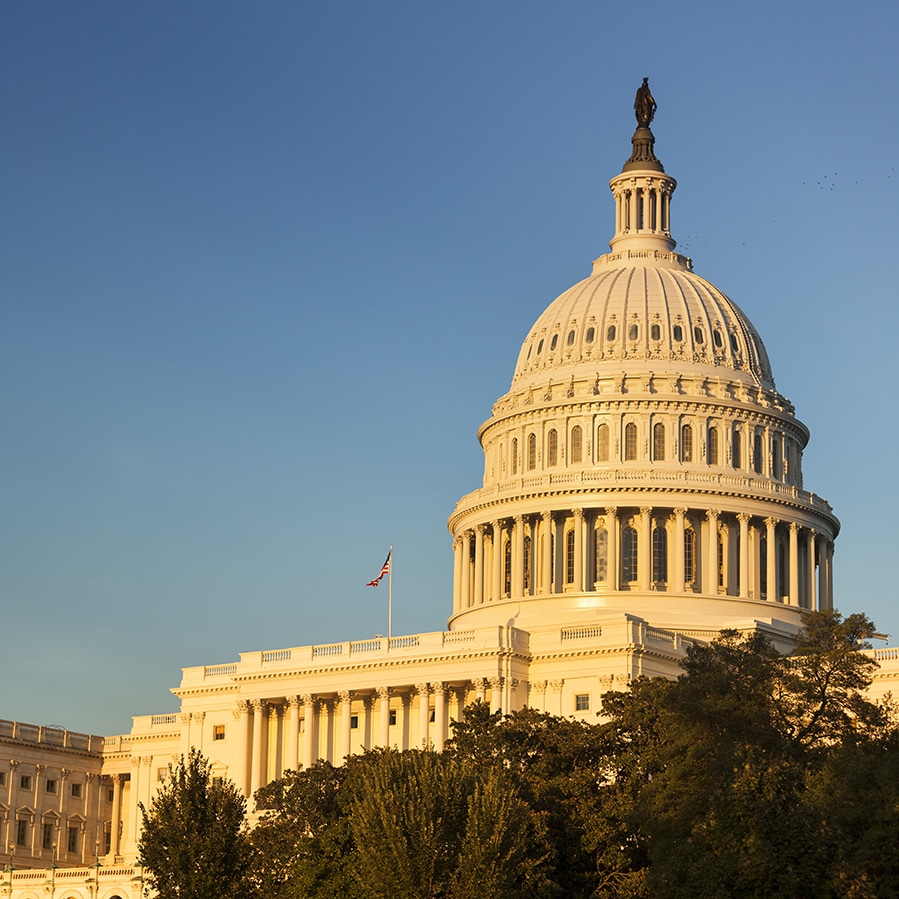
(52, 747)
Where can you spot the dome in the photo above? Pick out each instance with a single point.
(628, 315)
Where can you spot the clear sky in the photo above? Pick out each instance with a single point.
(266, 266)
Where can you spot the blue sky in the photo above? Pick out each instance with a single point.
(265, 268)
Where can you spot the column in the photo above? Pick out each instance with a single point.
(743, 518)
(346, 706)
(116, 822)
(546, 573)
(679, 574)
(712, 552)
(241, 713)
(465, 585)
(794, 564)
(480, 689)
(133, 799)
(578, 584)
(812, 555)
(822, 573)
(457, 575)
(293, 729)
(497, 561)
(479, 564)
(184, 718)
(771, 561)
(644, 551)
(384, 716)
(829, 593)
(308, 729)
(496, 694)
(614, 566)
(440, 722)
(518, 556)
(257, 754)
(424, 714)
(274, 745)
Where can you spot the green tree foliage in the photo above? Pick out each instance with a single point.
(193, 844)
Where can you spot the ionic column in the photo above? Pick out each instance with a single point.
(274, 736)
(116, 823)
(578, 550)
(679, 539)
(480, 689)
(829, 592)
(812, 593)
(293, 729)
(457, 575)
(496, 694)
(241, 713)
(822, 573)
(546, 573)
(517, 556)
(479, 564)
(257, 755)
(440, 722)
(794, 564)
(711, 517)
(497, 561)
(771, 558)
(465, 587)
(644, 551)
(743, 518)
(184, 717)
(346, 703)
(424, 715)
(384, 716)
(308, 729)
(614, 564)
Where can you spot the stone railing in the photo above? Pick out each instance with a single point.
(55, 736)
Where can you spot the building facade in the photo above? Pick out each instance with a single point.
(642, 489)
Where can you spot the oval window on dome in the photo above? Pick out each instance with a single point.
(632, 331)
(678, 332)
(530, 350)
(655, 332)
(733, 343)
(697, 333)
(553, 342)
(611, 331)
(540, 348)
(570, 339)
(591, 334)
(716, 335)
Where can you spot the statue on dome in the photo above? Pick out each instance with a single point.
(644, 105)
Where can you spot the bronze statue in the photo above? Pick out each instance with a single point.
(644, 105)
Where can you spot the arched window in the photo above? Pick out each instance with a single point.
(552, 447)
(629, 555)
(602, 443)
(713, 446)
(507, 568)
(763, 566)
(689, 555)
(552, 563)
(514, 455)
(757, 454)
(775, 459)
(686, 443)
(569, 557)
(738, 448)
(532, 452)
(602, 554)
(630, 442)
(659, 555)
(658, 442)
(576, 446)
(722, 558)
(527, 564)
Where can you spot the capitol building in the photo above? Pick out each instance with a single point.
(642, 489)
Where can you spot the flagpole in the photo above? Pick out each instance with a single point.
(390, 597)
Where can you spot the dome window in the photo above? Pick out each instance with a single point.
(655, 332)
(591, 334)
(530, 350)
(602, 443)
(553, 342)
(678, 333)
(686, 444)
(532, 452)
(611, 331)
(733, 343)
(716, 335)
(576, 444)
(570, 340)
(632, 331)
(552, 447)
(697, 333)
(630, 442)
(540, 347)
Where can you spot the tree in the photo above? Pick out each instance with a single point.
(193, 843)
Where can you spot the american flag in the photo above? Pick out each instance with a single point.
(385, 568)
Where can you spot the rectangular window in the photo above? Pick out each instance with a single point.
(218, 732)
(25, 782)
(107, 842)
(47, 836)
(161, 774)
(582, 702)
(76, 791)
(392, 717)
(354, 722)
(21, 832)
(2, 778)
(218, 781)
(51, 786)
(72, 841)
(110, 794)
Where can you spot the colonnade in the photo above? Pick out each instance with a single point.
(643, 205)
(678, 550)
